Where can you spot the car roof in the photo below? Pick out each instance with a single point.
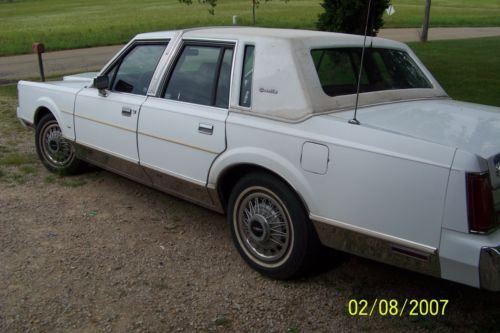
(313, 37)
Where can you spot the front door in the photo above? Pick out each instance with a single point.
(107, 123)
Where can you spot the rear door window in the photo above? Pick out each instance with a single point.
(202, 75)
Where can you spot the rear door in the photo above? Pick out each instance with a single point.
(182, 130)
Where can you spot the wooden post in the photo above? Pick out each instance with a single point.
(425, 25)
(39, 48)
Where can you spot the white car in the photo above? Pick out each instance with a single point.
(257, 124)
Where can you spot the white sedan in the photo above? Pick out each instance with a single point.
(258, 124)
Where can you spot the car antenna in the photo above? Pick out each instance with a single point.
(354, 120)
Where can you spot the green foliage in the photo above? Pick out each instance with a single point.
(349, 16)
(445, 13)
(467, 69)
(213, 3)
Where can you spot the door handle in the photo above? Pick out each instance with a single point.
(126, 111)
(206, 128)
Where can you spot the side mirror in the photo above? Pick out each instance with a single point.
(101, 83)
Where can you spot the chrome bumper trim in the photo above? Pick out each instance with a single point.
(489, 268)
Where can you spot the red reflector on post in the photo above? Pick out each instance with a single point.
(480, 207)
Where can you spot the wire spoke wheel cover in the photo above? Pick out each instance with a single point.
(56, 150)
(56, 153)
(263, 226)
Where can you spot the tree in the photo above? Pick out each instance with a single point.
(213, 3)
(349, 16)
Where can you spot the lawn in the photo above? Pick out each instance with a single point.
(467, 69)
(18, 163)
(446, 13)
(63, 24)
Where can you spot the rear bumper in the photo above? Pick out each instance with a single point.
(489, 268)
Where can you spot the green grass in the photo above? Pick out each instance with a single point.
(71, 182)
(9, 90)
(222, 321)
(8, 122)
(16, 165)
(50, 179)
(63, 24)
(467, 69)
(27, 169)
(17, 159)
(446, 13)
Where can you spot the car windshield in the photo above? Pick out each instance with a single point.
(383, 69)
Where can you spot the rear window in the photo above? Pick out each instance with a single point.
(383, 69)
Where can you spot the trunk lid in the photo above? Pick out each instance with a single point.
(471, 127)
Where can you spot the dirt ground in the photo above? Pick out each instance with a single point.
(99, 253)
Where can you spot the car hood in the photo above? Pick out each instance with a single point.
(471, 127)
(87, 77)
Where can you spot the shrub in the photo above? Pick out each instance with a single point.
(349, 16)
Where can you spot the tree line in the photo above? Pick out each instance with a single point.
(348, 16)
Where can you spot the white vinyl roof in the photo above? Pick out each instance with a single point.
(284, 66)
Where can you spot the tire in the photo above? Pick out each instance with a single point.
(56, 153)
(270, 227)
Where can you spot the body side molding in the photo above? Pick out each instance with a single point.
(182, 188)
(377, 246)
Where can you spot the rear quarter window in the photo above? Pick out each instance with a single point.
(383, 69)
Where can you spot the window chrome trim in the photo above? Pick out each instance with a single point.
(127, 48)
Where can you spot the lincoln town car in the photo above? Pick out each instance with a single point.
(260, 125)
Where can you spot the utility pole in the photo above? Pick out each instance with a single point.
(254, 3)
(425, 24)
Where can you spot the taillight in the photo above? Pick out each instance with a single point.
(480, 206)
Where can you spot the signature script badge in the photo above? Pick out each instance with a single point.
(268, 91)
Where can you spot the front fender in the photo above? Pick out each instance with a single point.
(47, 103)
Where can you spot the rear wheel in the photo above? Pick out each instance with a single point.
(56, 153)
(270, 227)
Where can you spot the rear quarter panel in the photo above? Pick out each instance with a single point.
(376, 182)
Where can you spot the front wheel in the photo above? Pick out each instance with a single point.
(56, 153)
(270, 227)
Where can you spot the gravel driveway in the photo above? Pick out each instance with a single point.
(99, 253)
